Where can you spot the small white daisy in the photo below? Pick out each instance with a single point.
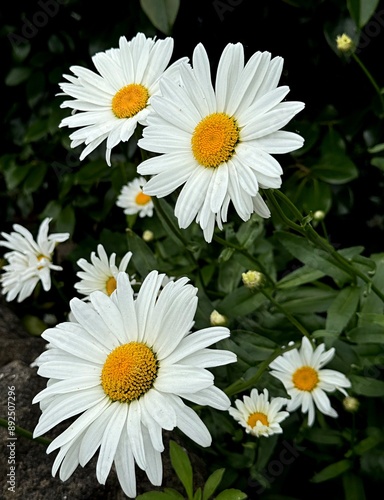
(133, 200)
(126, 365)
(217, 142)
(258, 415)
(306, 381)
(108, 106)
(101, 273)
(29, 261)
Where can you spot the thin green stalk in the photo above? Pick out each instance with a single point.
(243, 251)
(20, 431)
(286, 313)
(370, 78)
(306, 229)
(242, 385)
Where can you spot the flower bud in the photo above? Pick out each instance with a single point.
(253, 279)
(319, 215)
(218, 319)
(344, 43)
(351, 404)
(148, 235)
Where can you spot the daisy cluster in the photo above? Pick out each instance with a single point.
(127, 362)
(212, 144)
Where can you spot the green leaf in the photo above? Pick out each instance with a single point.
(378, 161)
(308, 254)
(155, 495)
(92, 172)
(182, 466)
(306, 299)
(332, 471)
(353, 487)
(378, 148)
(197, 495)
(368, 334)
(34, 178)
(367, 386)
(362, 10)
(240, 302)
(371, 318)
(36, 131)
(334, 165)
(142, 257)
(212, 483)
(161, 13)
(173, 493)
(14, 174)
(324, 436)
(342, 309)
(66, 220)
(300, 276)
(17, 76)
(231, 494)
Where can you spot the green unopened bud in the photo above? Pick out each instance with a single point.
(148, 235)
(351, 404)
(253, 279)
(218, 319)
(344, 43)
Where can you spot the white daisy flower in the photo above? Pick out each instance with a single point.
(101, 273)
(108, 106)
(133, 200)
(306, 381)
(258, 415)
(218, 142)
(126, 365)
(29, 261)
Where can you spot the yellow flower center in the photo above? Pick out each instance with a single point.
(257, 417)
(142, 199)
(129, 372)
(129, 100)
(214, 139)
(305, 378)
(41, 257)
(110, 285)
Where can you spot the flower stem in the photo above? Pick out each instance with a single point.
(370, 78)
(286, 313)
(306, 229)
(20, 431)
(242, 385)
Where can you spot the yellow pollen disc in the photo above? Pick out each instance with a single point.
(41, 257)
(214, 139)
(129, 372)
(110, 285)
(142, 199)
(257, 417)
(305, 378)
(129, 100)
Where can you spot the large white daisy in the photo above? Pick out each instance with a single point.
(218, 142)
(109, 105)
(101, 273)
(306, 381)
(258, 415)
(133, 200)
(126, 365)
(29, 261)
